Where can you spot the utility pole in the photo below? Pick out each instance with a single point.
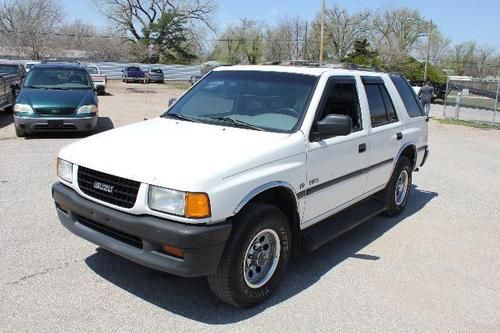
(322, 34)
(429, 40)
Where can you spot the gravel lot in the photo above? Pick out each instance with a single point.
(435, 268)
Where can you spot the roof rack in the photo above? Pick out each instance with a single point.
(51, 60)
(338, 65)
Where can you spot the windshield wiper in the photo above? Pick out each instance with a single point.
(237, 123)
(33, 87)
(180, 116)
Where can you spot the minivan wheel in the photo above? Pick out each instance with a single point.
(19, 132)
(397, 191)
(255, 256)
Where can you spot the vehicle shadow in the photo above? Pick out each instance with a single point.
(103, 124)
(6, 118)
(191, 297)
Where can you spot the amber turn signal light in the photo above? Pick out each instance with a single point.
(197, 205)
(173, 251)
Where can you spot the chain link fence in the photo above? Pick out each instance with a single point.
(470, 98)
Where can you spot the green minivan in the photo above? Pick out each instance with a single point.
(56, 97)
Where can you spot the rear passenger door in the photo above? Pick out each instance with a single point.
(386, 132)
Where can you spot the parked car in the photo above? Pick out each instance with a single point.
(56, 97)
(134, 74)
(30, 64)
(7, 92)
(15, 74)
(98, 78)
(155, 75)
(250, 164)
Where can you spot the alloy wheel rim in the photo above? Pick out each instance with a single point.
(261, 258)
(401, 187)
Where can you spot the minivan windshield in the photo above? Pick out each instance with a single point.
(262, 100)
(58, 78)
(9, 69)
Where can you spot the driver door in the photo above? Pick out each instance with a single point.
(337, 167)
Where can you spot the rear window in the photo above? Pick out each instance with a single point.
(92, 70)
(133, 69)
(382, 110)
(410, 99)
(156, 70)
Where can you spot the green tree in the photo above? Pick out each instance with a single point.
(362, 55)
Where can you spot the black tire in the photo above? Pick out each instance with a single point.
(20, 133)
(389, 194)
(228, 282)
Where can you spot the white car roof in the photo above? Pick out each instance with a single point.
(315, 71)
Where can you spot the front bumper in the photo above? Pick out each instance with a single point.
(49, 124)
(111, 229)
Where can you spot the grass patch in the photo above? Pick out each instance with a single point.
(468, 123)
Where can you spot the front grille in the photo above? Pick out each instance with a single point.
(123, 191)
(111, 232)
(54, 112)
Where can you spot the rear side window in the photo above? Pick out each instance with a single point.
(410, 99)
(382, 110)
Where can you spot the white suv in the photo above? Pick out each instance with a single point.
(249, 165)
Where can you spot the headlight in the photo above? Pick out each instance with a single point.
(87, 109)
(24, 108)
(65, 170)
(191, 205)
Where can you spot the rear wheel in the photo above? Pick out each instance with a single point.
(397, 191)
(255, 256)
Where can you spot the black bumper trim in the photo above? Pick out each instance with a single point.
(203, 244)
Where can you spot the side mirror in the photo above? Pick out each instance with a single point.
(334, 125)
(171, 101)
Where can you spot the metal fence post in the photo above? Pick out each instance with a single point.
(496, 101)
(446, 96)
(457, 105)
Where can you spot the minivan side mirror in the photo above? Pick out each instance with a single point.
(171, 101)
(334, 125)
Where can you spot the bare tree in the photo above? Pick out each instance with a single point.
(285, 41)
(27, 26)
(461, 57)
(440, 47)
(342, 29)
(395, 34)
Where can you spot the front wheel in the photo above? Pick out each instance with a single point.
(397, 191)
(255, 256)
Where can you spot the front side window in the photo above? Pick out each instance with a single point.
(58, 78)
(342, 99)
(382, 110)
(270, 101)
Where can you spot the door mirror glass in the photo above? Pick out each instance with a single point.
(334, 125)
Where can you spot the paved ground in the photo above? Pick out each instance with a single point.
(435, 268)
(439, 111)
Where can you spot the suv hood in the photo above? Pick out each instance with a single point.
(52, 98)
(178, 154)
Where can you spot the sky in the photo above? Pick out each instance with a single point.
(477, 20)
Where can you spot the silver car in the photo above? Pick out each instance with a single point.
(155, 75)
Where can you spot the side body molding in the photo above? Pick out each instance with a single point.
(261, 189)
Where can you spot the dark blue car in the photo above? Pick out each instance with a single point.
(134, 74)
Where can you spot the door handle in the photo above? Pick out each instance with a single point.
(362, 148)
(399, 135)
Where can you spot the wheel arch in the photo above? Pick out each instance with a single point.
(409, 150)
(283, 196)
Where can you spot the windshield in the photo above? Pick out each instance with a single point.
(8, 69)
(92, 70)
(58, 78)
(133, 69)
(265, 100)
